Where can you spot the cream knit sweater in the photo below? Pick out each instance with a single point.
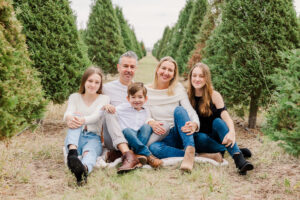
(162, 106)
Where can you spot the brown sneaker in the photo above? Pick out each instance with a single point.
(112, 155)
(214, 156)
(129, 162)
(188, 160)
(141, 158)
(154, 162)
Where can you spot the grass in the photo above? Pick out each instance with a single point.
(32, 167)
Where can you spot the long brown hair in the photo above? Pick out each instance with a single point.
(173, 81)
(88, 72)
(204, 105)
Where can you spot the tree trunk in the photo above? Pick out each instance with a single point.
(253, 112)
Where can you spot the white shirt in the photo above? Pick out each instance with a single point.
(116, 91)
(92, 114)
(130, 117)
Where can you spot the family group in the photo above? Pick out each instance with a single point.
(146, 123)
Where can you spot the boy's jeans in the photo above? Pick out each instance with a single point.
(138, 139)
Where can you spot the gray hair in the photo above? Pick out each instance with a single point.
(129, 54)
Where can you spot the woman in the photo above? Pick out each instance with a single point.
(82, 115)
(168, 102)
(217, 132)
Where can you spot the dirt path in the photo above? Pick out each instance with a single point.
(32, 167)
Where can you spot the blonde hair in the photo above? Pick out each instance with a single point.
(173, 81)
(204, 106)
(88, 72)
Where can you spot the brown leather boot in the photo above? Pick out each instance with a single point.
(112, 155)
(188, 160)
(154, 162)
(129, 162)
(141, 158)
(214, 156)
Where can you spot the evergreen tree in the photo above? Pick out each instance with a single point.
(125, 30)
(209, 24)
(167, 43)
(155, 48)
(283, 118)
(103, 36)
(179, 28)
(21, 95)
(193, 28)
(136, 44)
(244, 50)
(54, 45)
(143, 48)
(163, 42)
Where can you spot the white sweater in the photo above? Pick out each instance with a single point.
(92, 114)
(162, 106)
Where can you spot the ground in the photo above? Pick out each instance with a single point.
(32, 167)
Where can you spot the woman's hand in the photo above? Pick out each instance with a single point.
(157, 127)
(109, 108)
(75, 122)
(229, 139)
(189, 128)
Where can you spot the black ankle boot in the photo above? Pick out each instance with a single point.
(246, 152)
(76, 166)
(242, 164)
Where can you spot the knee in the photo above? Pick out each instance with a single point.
(155, 147)
(147, 127)
(179, 111)
(201, 137)
(218, 123)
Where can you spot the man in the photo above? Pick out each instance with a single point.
(117, 91)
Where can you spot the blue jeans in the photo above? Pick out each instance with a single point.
(138, 139)
(85, 142)
(176, 141)
(212, 143)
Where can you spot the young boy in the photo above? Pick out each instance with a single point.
(132, 117)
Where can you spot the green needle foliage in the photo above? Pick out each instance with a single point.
(103, 36)
(208, 25)
(244, 50)
(125, 30)
(21, 95)
(190, 36)
(283, 118)
(180, 28)
(54, 45)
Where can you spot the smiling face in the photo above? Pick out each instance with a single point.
(126, 69)
(165, 73)
(92, 84)
(198, 78)
(137, 100)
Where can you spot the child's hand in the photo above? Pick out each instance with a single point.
(109, 108)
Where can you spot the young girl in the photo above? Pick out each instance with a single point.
(217, 132)
(84, 120)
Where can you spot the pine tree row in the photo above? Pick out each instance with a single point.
(43, 55)
(243, 48)
(108, 35)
